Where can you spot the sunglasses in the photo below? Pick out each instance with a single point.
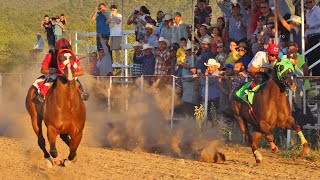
(263, 7)
(309, 2)
(273, 55)
(240, 50)
(219, 46)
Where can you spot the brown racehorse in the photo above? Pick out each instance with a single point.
(271, 109)
(63, 112)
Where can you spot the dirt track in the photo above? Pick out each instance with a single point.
(21, 158)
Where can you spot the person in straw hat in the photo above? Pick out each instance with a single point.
(137, 61)
(148, 60)
(166, 30)
(149, 37)
(162, 56)
(213, 89)
(294, 26)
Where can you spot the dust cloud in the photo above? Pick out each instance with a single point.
(139, 120)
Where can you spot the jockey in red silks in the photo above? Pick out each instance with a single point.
(50, 68)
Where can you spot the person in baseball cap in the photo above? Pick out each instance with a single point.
(262, 62)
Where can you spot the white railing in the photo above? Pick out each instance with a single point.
(125, 46)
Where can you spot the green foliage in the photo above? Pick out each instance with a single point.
(20, 20)
(199, 114)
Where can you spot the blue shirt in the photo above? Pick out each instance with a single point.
(204, 57)
(245, 60)
(149, 63)
(101, 26)
(214, 91)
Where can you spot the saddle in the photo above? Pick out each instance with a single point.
(247, 91)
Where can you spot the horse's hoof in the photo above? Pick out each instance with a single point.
(258, 156)
(306, 148)
(49, 163)
(66, 163)
(275, 150)
(57, 161)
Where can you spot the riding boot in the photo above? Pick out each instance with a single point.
(85, 96)
(38, 99)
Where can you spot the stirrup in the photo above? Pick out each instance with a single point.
(85, 96)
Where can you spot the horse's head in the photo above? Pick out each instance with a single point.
(67, 64)
(285, 74)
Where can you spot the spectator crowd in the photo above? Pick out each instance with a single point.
(233, 45)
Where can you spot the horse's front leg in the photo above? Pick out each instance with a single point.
(74, 143)
(52, 134)
(290, 124)
(266, 128)
(256, 136)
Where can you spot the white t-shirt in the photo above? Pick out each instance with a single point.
(115, 29)
(260, 60)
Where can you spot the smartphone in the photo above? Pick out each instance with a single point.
(264, 26)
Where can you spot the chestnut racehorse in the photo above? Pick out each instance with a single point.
(270, 109)
(63, 112)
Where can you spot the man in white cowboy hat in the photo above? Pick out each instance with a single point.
(137, 61)
(205, 55)
(213, 90)
(149, 37)
(38, 47)
(162, 55)
(294, 26)
(166, 30)
(148, 60)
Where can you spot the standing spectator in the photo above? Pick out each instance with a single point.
(137, 61)
(143, 13)
(93, 59)
(240, 76)
(205, 55)
(213, 90)
(58, 28)
(160, 23)
(179, 29)
(234, 54)
(187, 64)
(242, 49)
(148, 60)
(181, 52)
(101, 16)
(222, 56)
(48, 26)
(162, 56)
(263, 11)
(203, 35)
(190, 93)
(216, 38)
(313, 33)
(201, 14)
(133, 19)
(149, 37)
(224, 86)
(237, 25)
(173, 60)
(293, 25)
(63, 19)
(115, 31)
(104, 64)
(167, 27)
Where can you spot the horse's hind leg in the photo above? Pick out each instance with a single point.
(290, 124)
(65, 138)
(52, 134)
